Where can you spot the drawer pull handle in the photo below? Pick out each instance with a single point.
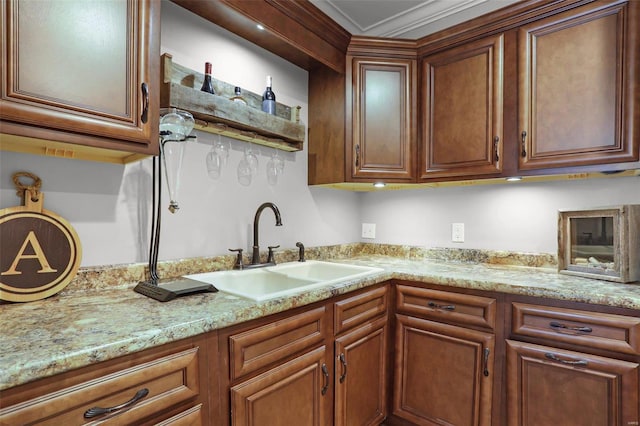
(98, 411)
(496, 155)
(577, 363)
(325, 373)
(357, 155)
(443, 307)
(343, 361)
(486, 362)
(523, 152)
(558, 326)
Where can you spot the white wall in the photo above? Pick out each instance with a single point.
(518, 216)
(109, 204)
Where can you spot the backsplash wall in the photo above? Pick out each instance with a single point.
(109, 205)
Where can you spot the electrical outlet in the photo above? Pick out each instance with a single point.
(457, 232)
(369, 230)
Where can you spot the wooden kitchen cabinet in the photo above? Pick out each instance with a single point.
(572, 366)
(550, 386)
(380, 133)
(361, 358)
(461, 97)
(165, 385)
(444, 368)
(80, 78)
(294, 393)
(578, 86)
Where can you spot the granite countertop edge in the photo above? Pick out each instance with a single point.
(51, 336)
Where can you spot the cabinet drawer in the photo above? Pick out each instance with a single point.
(251, 350)
(446, 306)
(170, 380)
(617, 333)
(190, 417)
(359, 309)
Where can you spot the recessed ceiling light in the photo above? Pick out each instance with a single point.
(379, 184)
(514, 179)
(260, 27)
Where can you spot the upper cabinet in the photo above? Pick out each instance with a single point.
(380, 134)
(461, 119)
(80, 78)
(578, 87)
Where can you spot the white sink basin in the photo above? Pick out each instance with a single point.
(282, 280)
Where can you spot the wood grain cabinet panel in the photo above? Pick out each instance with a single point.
(549, 386)
(447, 306)
(382, 126)
(443, 373)
(80, 72)
(461, 98)
(294, 393)
(357, 310)
(578, 87)
(149, 388)
(259, 347)
(360, 375)
(617, 333)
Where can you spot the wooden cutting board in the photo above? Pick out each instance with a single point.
(40, 252)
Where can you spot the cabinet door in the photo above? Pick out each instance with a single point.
(81, 67)
(294, 393)
(462, 110)
(548, 386)
(443, 373)
(360, 378)
(578, 87)
(383, 99)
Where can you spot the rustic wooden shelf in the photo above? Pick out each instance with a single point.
(180, 88)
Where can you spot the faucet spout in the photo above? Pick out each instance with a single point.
(255, 258)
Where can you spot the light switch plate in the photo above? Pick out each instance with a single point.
(369, 230)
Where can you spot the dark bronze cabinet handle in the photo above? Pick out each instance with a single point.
(577, 363)
(486, 362)
(357, 155)
(145, 102)
(343, 361)
(98, 411)
(496, 142)
(443, 307)
(524, 146)
(325, 373)
(558, 326)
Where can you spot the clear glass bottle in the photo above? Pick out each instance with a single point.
(238, 96)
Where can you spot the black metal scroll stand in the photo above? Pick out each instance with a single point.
(178, 287)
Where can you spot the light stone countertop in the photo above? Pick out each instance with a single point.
(69, 331)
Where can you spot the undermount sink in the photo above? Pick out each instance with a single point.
(282, 280)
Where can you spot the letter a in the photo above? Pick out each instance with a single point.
(38, 254)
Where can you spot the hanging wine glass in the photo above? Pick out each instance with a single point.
(222, 148)
(244, 172)
(252, 159)
(214, 163)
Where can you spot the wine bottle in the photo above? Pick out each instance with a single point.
(238, 96)
(207, 84)
(269, 99)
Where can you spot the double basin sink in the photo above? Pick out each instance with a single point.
(282, 280)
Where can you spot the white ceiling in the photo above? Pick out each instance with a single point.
(411, 19)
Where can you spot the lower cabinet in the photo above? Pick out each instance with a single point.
(166, 385)
(444, 373)
(294, 393)
(550, 386)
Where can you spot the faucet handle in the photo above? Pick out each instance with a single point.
(270, 258)
(301, 251)
(238, 264)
